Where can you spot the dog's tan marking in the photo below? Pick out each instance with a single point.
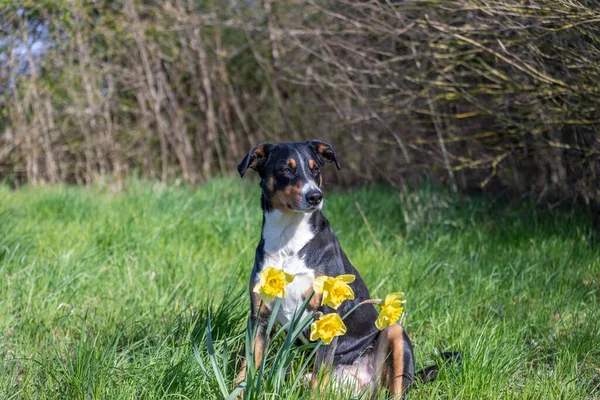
(390, 359)
(396, 337)
(258, 344)
(260, 151)
(322, 147)
(326, 377)
(259, 348)
(259, 155)
(277, 203)
(260, 312)
(381, 359)
(291, 162)
(312, 164)
(315, 302)
(288, 198)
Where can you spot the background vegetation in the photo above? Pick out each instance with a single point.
(104, 296)
(499, 94)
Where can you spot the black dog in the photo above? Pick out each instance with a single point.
(297, 238)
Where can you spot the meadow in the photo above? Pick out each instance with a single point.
(107, 296)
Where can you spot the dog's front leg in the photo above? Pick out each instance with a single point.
(259, 318)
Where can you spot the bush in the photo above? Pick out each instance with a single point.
(494, 95)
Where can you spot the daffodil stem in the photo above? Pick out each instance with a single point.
(369, 301)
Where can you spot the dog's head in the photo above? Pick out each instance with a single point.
(290, 173)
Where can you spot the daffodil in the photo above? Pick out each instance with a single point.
(327, 327)
(335, 290)
(272, 283)
(391, 310)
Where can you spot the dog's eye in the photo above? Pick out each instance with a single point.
(286, 171)
(316, 170)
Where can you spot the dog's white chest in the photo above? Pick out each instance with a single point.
(284, 236)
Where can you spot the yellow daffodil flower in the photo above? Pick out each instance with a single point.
(327, 327)
(272, 283)
(335, 290)
(391, 310)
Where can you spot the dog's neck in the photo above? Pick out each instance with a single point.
(286, 232)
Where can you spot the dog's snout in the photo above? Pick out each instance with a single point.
(314, 197)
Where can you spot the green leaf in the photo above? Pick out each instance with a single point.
(213, 360)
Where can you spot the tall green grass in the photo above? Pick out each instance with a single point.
(108, 295)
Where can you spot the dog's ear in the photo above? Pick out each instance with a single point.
(256, 158)
(325, 151)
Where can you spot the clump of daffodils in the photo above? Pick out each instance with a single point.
(334, 291)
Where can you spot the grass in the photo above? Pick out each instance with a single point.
(105, 296)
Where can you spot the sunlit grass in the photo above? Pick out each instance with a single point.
(105, 296)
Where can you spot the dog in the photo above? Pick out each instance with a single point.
(297, 238)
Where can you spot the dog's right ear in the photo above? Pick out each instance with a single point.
(256, 158)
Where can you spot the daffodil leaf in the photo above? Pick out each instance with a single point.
(225, 357)
(234, 395)
(270, 324)
(351, 311)
(213, 359)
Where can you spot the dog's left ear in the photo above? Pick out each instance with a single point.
(256, 158)
(325, 151)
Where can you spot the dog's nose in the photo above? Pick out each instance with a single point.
(314, 197)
